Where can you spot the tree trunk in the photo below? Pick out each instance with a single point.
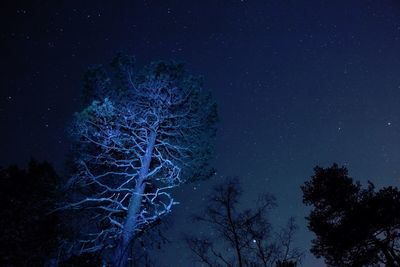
(121, 254)
(235, 236)
(389, 258)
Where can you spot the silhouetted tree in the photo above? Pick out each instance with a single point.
(82, 260)
(241, 237)
(145, 245)
(353, 226)
(286, 263)
(143, 134)
(28, 234)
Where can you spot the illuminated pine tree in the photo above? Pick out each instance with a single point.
(142, 135)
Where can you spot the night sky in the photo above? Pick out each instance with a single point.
(298, 83)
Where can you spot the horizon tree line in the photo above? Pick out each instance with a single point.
(354, 226)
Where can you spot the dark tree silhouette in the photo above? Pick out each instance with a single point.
(143, 134)
(28, 234)
(241, 237)
(145, 245)
(353, 226)
(141, 249)
(289, 263)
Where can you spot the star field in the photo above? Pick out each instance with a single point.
(298, 83)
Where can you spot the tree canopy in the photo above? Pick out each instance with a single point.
(143, 133)
(28, 233)
(242, 237)
(354, 226)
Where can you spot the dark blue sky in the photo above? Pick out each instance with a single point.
(298, 83)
